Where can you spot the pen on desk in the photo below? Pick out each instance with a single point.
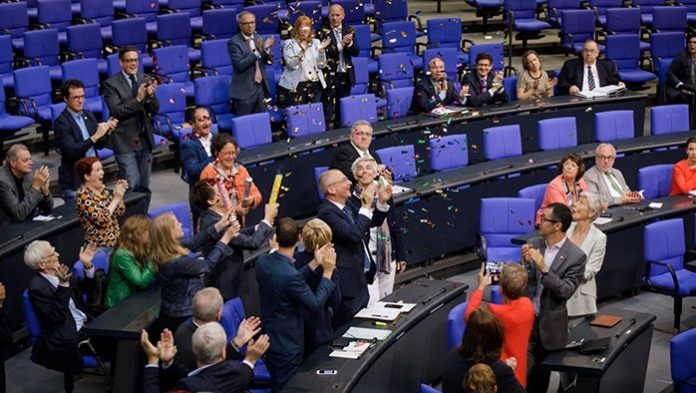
(382, 324)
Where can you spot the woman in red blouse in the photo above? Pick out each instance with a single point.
(684, 172)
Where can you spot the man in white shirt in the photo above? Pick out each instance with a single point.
(606, 181)
(588, 72)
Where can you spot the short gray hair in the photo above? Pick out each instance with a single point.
(593, 202)
(359, 123)
(373, 163)
(601, 145)
(208, 342)
(207, 303)
(35, 252)
(14, 149)
(242, 14)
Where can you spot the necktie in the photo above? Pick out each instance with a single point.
(257, 73)
(613, 183)
(590, 79)
(366, 259)
(484, 85)
(134, 85)
(341, 62)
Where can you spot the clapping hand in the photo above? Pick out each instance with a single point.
(384, 192)
(120, 189)
(151, 352)
(166, 347)
(41, 179)
(368, 196)
(268, 43)
(511, 362)
(498, 78)
(325, 43)
(257, 348)
(464, 91)
(247, 329)
(87, 254)
(347, 39)
(63, 273)
(230, 233)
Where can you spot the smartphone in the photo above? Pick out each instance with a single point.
(493, 269)
(327, 372)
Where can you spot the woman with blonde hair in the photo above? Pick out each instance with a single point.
(179, 272)
(533, 82)
(130, 268)
(304, 58)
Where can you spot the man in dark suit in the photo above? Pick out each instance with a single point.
(339, 61)
(359, 146)
(207, 307)
(6, 342)
(587, 73)
(214, 373)
(249, 55)
(283, 291)
(59, 305)
(437, 91)
(131, 100)
(556, 268)
(77, 135)
(350, 230)
(195, 153)
(484, 86)
(22, 192)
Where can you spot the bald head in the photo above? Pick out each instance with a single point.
(335, 185)
(207, 305)
(436, 66)
(336, 15)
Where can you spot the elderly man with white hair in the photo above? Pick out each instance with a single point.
(214, 373)
(608, 182)
(23, 189)
(57, 299)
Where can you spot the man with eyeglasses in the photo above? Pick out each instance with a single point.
(359, 146)
(484, 86)
(587, 72)
(556, 268)
(78, 135)
(250, 55)
(680, 86)
(606, 181)
(131, 99)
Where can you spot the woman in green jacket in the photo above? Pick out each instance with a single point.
(130, 268)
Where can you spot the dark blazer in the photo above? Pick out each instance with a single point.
(184, 348)
(573, 72)
(425, 99)
(395, 229)
(456, 368)
(283, 292)
(227, 274)
(476, 98)
(128, 111)
(678, 73)
(243, 62)
(73, 146)
(194, 159)
(349, 242)
(11, 209)
(346, 154)
(332, 59)
(56, 348)
(560, 283)
(222, 377)
(317, 325)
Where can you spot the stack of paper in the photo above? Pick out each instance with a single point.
(384, 311)
(352, 350)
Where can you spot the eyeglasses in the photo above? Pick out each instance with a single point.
(605, 158)
(548, 220)
(345, 179)
(365, 134)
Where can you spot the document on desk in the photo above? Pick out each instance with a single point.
(602, 220)
(397, 189)
(352, 350)
(47, 218)
(379, 313)
(366, 333)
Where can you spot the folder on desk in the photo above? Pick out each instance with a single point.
(606, 321)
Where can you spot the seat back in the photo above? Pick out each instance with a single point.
(34, 83)
(174, 29)
(495, 50)
(682, 362)
(172, 110)
(172, 61)
(396, 70)
(85, 39)
(510, 86)
(502, 142)
(354, 11)
(56, 14)
(670, 18)
(317, 173)
(358, 107)
(131, 31)
(666, 119)
(266, 18)
(41, 46)
(601, 6)
(647, 6)
(147, 9)
(6, 55)
(523, 9)
(623, 50)
(362, 75)
(502, 219)
(535, 192)
(557, 133)
(213, 93)
(100, 11)
(390, 10)
(401, 161)
(663, 48)
(252, 130)
(192, 7)
(428, 389)
(181, 212)
(623, 20)
(664, 242)
(232, 315)
(398, 37)
(456, 325)
(86, 71)
(312, 9)
(444, 32)
(655, 180)
(399, 101)
(33, 324)
(362, 38)
(217, 25)
(578, 26)
(448, 55)
(613, 125)
(215, 58)
(14, 18)
(449, 152)
(305, 119)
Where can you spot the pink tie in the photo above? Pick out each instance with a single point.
(257, 74)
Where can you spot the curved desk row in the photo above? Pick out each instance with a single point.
(296, 158)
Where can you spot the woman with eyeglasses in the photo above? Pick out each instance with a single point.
(684, 172)
(566, 187)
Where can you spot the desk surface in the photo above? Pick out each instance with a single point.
(430, 295)
(571, 360)
(127, 318)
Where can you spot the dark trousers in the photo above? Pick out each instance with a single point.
(305, 93)
(282, 366)
(253, 104)
(338, 87)
(537, 379)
